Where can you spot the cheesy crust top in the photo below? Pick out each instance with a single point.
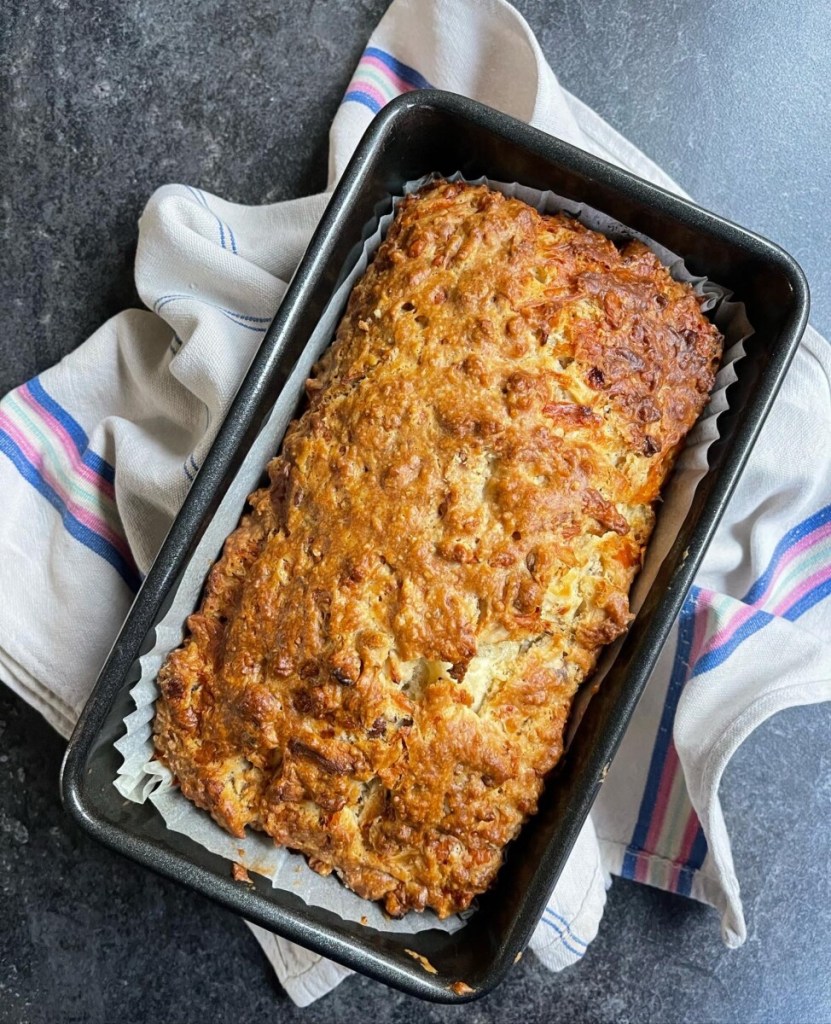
(386, 652)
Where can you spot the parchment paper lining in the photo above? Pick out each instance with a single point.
(141, 778)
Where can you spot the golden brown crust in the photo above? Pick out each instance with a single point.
(387, 650)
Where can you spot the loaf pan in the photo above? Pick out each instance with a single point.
(418, 133)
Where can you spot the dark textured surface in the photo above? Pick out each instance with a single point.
(106, 101)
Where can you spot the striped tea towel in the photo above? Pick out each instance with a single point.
(97, 454)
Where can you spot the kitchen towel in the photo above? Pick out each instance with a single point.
(97, 454)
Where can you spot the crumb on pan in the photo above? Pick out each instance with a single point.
(461, 988)
(240, 874)
(425, 963)
(385, 655)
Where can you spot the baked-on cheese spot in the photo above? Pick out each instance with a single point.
(386, 653)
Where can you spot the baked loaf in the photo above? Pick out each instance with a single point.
(387, 650)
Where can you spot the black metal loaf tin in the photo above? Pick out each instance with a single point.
(418, 133)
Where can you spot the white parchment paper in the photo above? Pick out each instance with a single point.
(141, 778)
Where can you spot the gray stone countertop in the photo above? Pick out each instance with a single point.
(104, 101)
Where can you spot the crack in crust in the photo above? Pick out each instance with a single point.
(386, 653)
